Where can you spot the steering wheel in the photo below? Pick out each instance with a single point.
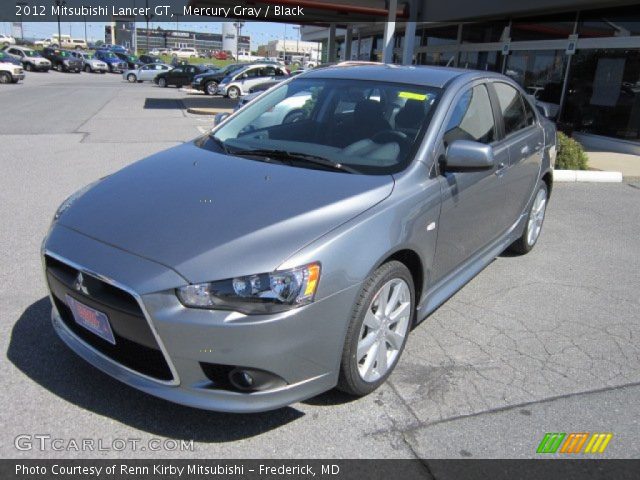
(388, 136)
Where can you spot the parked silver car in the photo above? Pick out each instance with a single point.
(31, 59)
(255, 267)
(145, 73)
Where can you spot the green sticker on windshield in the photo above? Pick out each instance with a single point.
(413, 96)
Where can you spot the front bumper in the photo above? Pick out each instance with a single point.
(197, 86)
(302, 346)
(41, 67)
(18, 76)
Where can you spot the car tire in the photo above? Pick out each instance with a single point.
(233, 93)
(5, 77)
(370, 331)
(60, 67)
(535, 219)
(162, 82)
(131, 78)
(28, 67)
(210, 88)
(87, 68)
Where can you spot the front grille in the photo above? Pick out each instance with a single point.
(136, 346)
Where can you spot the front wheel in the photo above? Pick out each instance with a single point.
(211, 88)
(535, 220)
(378, 329)
(233, 93)
(5, 77)
(60, 67)
(162, 82)
(28, 67)
(87, 68)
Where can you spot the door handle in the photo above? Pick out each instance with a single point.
(500, 170)
(525, 150)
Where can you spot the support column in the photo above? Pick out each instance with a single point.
(348, 40)
(332, 43)
(389, 32)
(410, 34)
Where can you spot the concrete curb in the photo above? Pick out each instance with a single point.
(586, 176)
(204, 111)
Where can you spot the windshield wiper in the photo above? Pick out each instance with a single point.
(284, 155)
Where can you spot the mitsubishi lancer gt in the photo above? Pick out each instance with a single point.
(269, 261)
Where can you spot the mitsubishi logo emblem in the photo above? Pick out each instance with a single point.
(79, 286)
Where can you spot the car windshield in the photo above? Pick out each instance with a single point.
(109, 55)
(357, 126)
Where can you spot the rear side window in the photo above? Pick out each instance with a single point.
(472, 118)
(512, 108)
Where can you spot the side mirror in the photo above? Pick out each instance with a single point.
(468, 156)
(219, 118)
(244, 75)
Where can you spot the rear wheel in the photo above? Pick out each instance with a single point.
(294, 116)
(87, 68)
(28, 67)
(534, 222)
(60, 67)
(5, 77)
(162, 82)
(132, 78)
(210, 88)
(233, 92)
(378, 329)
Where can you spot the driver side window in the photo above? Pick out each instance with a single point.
(472, 118)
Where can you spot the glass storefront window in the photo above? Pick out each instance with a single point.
(440, 35)
(542, 28)
(443, 59)
(540, 72)
(484, 32)
(619, 22)
(603, 95)
(488, 61)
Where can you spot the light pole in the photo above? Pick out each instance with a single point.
(59, 3)
(238, 26)
(21, 4)
(297, 40)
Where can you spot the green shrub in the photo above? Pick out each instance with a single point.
(571, 155)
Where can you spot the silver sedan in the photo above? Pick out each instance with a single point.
(145, 73)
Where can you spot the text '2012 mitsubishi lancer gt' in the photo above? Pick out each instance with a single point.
(269, 261)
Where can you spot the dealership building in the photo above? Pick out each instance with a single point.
(148, 39)
(580, 56)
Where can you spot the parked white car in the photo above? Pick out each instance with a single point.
(240, 81)
(10, 72)
(185, 53)
(31, 59)
(6, 40)
(146, 73)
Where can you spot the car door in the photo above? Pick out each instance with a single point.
(524, 138)
(176, 76)
(472, 214)
(249, 78)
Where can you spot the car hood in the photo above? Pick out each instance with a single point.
(210, 216)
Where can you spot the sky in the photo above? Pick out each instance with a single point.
(260, 32)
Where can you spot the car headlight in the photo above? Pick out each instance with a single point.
(255, 294)
(66, 62)
(198, 80)
(64, 206)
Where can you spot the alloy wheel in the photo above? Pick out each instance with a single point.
(212, 88)
(536, 217)
(385, 326)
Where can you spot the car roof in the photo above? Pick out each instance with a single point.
(428, 76)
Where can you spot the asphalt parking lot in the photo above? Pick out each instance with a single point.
(548, 342)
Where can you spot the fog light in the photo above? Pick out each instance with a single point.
(249, 380)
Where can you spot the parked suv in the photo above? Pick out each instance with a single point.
(256, 267)
(116, 65)
(31, 59)
(91, 64)
(238, 83)
(62, 60)
(131, 60)
(11, 70)
(6, 40)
